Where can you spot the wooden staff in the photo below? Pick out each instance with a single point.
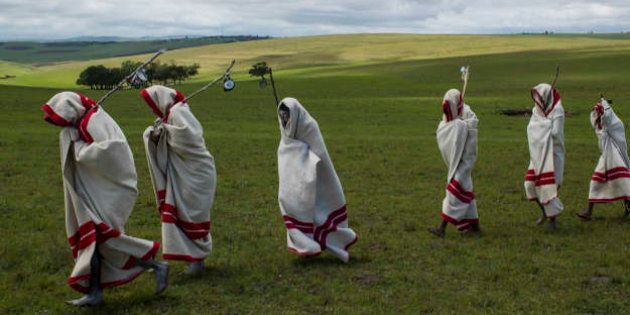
(465, 72)
(213, 82)
(122, 82)
(553, 84)
(273, 86)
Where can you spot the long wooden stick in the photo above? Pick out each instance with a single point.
(273, 86)
(467, 68)
(122, 82)
(211, 83)
(553, 84)
(555, 80)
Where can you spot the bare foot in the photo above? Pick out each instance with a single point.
(93, 299)
(161, 277)
(541, 220)
(437, 232)
(586, 216)
(195, 268)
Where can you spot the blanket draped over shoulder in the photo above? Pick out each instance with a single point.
(545, 135)
(183, 175)
(99, 180)
(611, 179)
(310, 195)
(457, 141)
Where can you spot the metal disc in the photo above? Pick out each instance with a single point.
(228, 85)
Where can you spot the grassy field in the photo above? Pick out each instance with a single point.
(321, 54)
(42, 53)
(378, 116)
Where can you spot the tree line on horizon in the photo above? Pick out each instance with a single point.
(99, 77)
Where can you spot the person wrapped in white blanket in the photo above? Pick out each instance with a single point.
(611, 180)
(457, 141)
(545, 135)
(311, 199)
(183, 175)
(99, 179)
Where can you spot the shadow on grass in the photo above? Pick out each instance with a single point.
(329, 260)
(122, 306)
(210, 273)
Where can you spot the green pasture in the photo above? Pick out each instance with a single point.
(378, 116)
(335, 52)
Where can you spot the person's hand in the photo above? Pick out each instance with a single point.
(157, 131)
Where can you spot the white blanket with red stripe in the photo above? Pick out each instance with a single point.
(611, 179)
(310, 195)
(99, 180)
(457, 140)
(545, 135)
(183, 175)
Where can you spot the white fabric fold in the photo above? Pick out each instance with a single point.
(457, 141)
(183, 175)
(545, 135)
(99, 179)
(310, 195)
(611, 178)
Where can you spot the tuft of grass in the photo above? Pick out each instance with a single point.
(379, 120)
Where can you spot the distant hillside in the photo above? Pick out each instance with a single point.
(47, 52)
(321, 55)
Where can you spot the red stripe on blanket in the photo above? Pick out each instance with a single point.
(456, 189)
(73, 282)
(147, 98)
(446, 108)
(89, 233)
(181, 257)
(461, 225)
(599, 110)
(611, 174)
(194, 230)
(292, 223)
(334, 218)
(356, 239)
(539, 101)
(542, 179)
(52, 117)
(606, 200)
(178, 99)
(161, 194)
(83, 124)
(87, 102)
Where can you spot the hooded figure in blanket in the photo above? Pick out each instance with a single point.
(311, 199)
(457, 140)
(545, 135)
(611, 180)
(99, 181)
(183, 175)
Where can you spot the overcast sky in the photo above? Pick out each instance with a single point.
(54, 19)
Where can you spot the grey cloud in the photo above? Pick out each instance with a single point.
(65, 18)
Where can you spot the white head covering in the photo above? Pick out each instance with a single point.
(452, 105)
(457, 141)
(611, 179)
(310, 194)
(545, 98)
(161, 99)
(545, 135)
